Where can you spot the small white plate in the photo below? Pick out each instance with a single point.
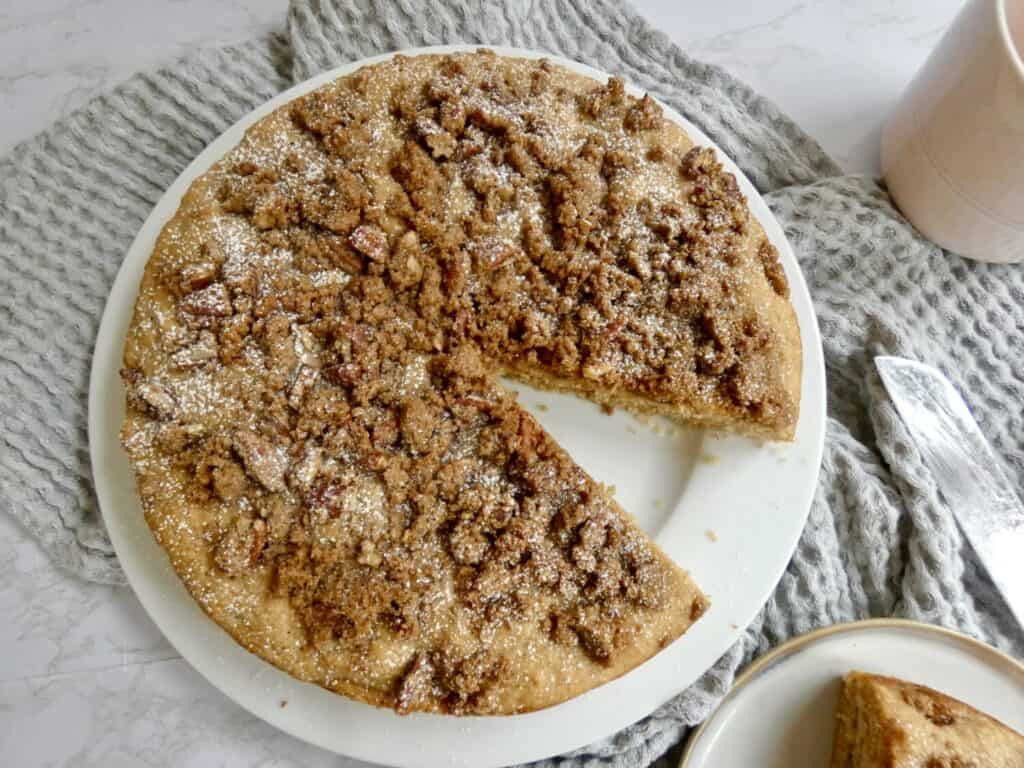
(779, 714)
(726, 508)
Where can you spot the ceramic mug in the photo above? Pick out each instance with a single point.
(953, 151)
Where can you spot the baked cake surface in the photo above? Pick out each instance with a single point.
(884, 722)
(318, 438)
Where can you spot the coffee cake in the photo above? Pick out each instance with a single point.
(887, 722)
(318, 436)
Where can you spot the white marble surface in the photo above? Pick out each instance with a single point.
(85, 678)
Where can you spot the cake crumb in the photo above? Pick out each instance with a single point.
(712, 536)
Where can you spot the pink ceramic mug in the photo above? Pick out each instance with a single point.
(953, 151)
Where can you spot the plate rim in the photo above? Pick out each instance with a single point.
(767, 661)
(813, 408)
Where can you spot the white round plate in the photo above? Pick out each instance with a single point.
(728, 509)
(779, 714)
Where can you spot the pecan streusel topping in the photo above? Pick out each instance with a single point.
(313, 415)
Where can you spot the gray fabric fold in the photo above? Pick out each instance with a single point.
(879, 540)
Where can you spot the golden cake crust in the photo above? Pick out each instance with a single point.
(885, 722)
(317, 436)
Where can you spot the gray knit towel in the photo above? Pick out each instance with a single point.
(879, 540)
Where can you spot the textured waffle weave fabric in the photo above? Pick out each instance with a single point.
(879, 540)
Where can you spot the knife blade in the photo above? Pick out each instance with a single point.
(966, 470)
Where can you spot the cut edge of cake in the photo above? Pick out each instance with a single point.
(886, 721)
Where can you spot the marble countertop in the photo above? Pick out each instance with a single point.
(85, 677)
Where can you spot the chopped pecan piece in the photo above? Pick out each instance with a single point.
(203, 350)
(241, 546)
(370, 241)
(416, 686)
(305, 377)
(264, 462)
(305, 471)
(157, 399)
(197, 276)
(212, 301)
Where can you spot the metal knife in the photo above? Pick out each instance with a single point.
(966, 470)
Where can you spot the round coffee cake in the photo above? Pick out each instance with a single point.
(319, 438)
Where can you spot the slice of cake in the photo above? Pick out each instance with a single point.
(885, 722)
